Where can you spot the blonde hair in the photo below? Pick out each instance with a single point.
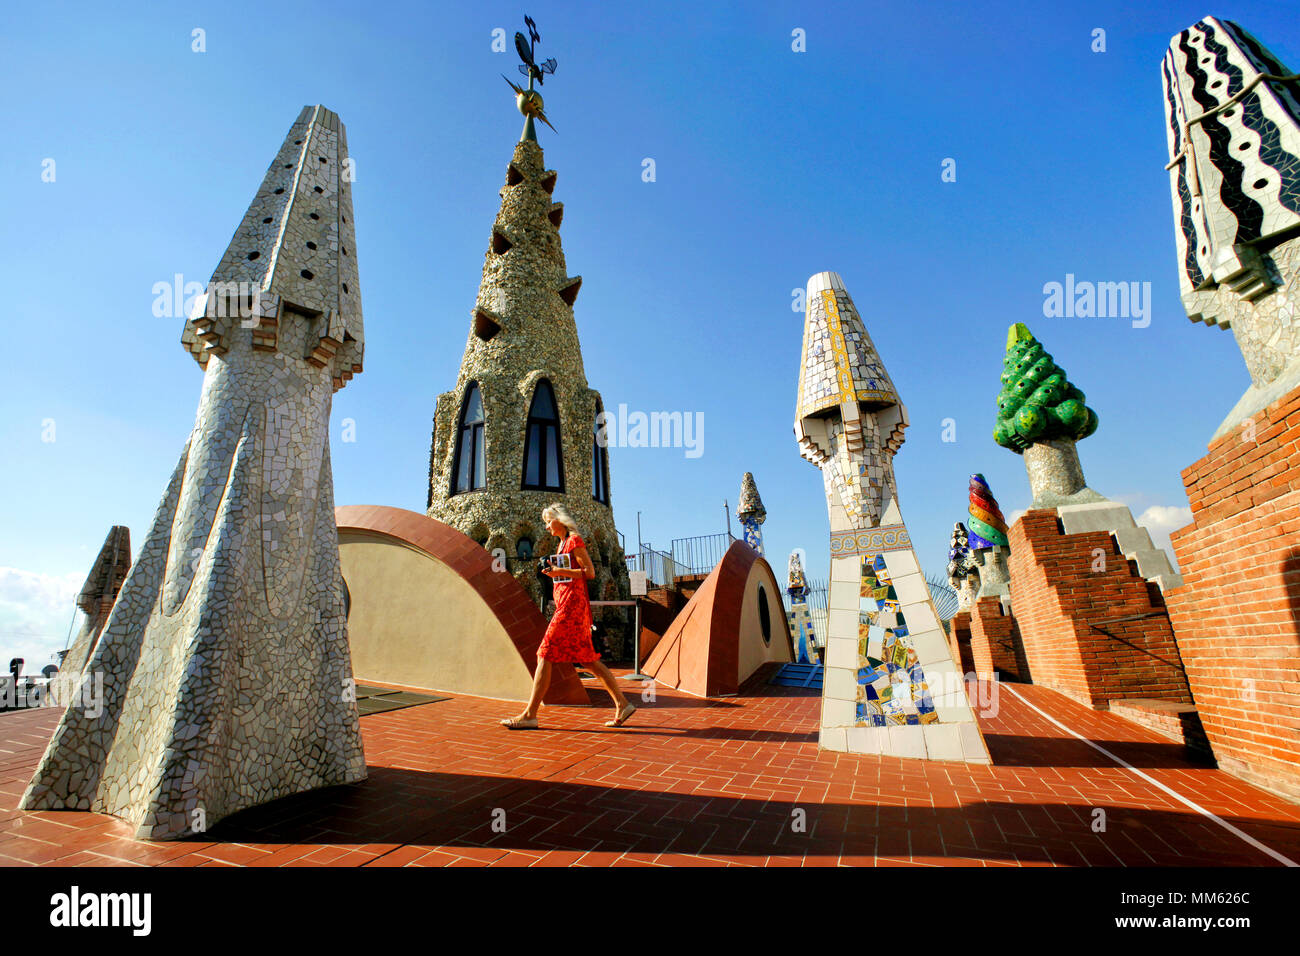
(557, 512)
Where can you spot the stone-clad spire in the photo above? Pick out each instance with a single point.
(224, 661)
(526, 295)
(520, 429)
(295, 250)
(96, 601)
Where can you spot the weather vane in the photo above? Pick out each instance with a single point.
(529, 101)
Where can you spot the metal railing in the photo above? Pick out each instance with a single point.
(700, 554)
(687, 556)
(818, 592)
(944, 597)
(659, 567)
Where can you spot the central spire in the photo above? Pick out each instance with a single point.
(522, 429)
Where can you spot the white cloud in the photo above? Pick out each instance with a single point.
(35, 613)
(1160, 520)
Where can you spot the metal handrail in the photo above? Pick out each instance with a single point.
(700, 554)
(659, 567)
(817, 598)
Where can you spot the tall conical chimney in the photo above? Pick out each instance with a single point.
(225, 669)
(522, 429)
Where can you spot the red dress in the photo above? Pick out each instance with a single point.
(568, 636)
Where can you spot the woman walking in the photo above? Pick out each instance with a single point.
(568, 636)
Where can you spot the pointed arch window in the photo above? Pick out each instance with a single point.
(469, 469)
(599, 458)
(543, 454)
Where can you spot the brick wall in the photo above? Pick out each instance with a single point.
(1237, 615)
(959, 641)
(659, 608)
(1060, 591)
(1178, 722)
(995, 642)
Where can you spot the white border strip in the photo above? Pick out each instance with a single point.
(1285, 861)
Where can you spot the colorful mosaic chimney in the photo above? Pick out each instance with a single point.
(987, 526)
(796, 580)
(963, 572)
(1040, 417)
(800, 614)
(750, 511)
(1233, 129)
(988, 542)
(890, 686)
(226, 673)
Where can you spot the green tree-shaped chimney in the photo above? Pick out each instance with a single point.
(1037, 402)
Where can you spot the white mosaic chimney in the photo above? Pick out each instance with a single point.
(224, 662)
(890, 685)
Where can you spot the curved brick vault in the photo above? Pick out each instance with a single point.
(428, 610)
(716, 643)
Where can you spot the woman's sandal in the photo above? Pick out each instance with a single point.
(520, 723)
(627, 711)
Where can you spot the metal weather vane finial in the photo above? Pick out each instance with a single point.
(528, 53)
(529, 101)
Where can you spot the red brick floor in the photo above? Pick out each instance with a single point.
(700, 782)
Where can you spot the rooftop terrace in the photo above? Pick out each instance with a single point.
(702, 782)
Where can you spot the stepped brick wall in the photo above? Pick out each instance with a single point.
(1092, 629)
(959, 637)
(1178, 722)
(1237, 615)
(995, 642)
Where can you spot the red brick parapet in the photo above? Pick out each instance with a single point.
(959, 637)
(1237, 615)
(995, 642)
(1091, 626)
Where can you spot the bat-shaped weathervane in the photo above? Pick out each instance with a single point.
(527, 50)
(529, 101)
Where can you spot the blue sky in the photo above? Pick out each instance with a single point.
(771, 165)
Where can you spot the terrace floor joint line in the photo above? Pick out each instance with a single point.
(1284, 860)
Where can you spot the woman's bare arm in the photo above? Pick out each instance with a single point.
(585, 569)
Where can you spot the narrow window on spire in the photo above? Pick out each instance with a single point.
(599, 459)
(543, 455)
(469, 470)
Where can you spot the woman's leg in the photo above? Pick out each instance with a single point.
(611, 684)
(541, 681)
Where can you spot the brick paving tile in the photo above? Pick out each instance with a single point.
(85, 858)
(694, 782)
